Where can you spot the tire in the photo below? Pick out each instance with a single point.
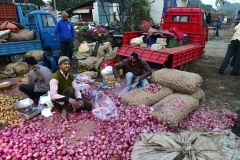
(17, 58)
(183, 67)
(95, 51)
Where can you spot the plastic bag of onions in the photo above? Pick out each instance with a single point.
(148, 95)
(86, 91)
(104, 108)
(176, 80)
(174, 108)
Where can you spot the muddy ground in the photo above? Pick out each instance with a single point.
(220, 90)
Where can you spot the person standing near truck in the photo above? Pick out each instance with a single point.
(65, 29)
(38, 80)
(137, 70)
(234, 48)
(218, 26)
(50, 59)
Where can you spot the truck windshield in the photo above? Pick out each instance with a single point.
(48, 21)
(28, 8)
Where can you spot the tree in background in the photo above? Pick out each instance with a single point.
(65, 4)
(38, 3)
(219, 2)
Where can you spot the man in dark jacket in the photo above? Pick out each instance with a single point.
(50, 59)
(137, 70)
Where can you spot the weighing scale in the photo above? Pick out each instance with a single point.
(30, 114)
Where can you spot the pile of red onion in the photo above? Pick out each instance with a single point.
(86, 91)
(153, 88)
(84, 79)
(207, 120)
(32, 139)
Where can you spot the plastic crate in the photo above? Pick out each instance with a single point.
(172, 42)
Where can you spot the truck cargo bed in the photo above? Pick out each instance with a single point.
(175, 57)
(19, 47)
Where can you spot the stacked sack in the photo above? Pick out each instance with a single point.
(187, 93)
(160, 44)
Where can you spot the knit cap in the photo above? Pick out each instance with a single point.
(134, 57)
(64, 14)
(63, 59)
(31, 60)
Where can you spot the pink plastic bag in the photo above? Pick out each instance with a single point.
(86, 91)
(105, 108)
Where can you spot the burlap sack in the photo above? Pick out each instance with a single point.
(174, 108)
(140, 96)
(37, 54)
(7, 74)
(198, 94)
(4, 34)
(22, 35)
(88, 63)
(103, 50)
(181, 81)
(111, 54)
(20, 68)
(91, 74)
(186, 145)
(83, 47)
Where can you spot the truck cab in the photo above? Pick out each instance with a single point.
(41, 22)
(188, 20)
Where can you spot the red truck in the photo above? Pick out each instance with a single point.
(190, 21)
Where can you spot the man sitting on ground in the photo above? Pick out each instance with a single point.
(137, 70)
(64, 91)
(50, 59)
(38, 80)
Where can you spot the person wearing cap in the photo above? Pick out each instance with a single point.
(137, 70)
(38, 80)
(64, 91)
(50, 59)
(65, 29)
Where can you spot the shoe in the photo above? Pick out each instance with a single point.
(221, 71)
(235, 74)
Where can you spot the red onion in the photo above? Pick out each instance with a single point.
(86, 91)
(153, 88)
(207, 120)
(85, 79)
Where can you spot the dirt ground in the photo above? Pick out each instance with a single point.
(221, 91)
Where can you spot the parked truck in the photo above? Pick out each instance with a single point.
(28, 15)
(190, 21)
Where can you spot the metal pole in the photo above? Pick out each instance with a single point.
(55, 6)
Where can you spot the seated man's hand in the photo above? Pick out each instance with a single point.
(80, 103)
(136, 80)
(73, 102)
(118, 80)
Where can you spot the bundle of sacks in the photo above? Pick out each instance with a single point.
(15, 32)
(178, 95)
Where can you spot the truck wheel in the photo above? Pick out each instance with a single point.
(17, 58)
(183, 67)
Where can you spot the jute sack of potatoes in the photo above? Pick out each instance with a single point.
(198, 94)
(22, 35)
(176, 80)
(20, 68)
(174, 108)
(37, 54)
(142, 96)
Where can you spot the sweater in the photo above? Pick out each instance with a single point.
(65, 30)
(63, 83)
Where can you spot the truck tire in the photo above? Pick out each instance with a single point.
(183, 67)
(17, 58)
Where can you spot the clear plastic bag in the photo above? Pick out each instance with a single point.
(105, 109)
(86, 91)
(122, 89)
